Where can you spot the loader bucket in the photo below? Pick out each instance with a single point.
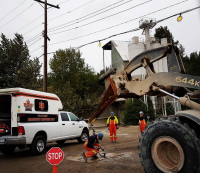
(109, 97)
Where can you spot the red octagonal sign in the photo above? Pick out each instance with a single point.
(55, 156)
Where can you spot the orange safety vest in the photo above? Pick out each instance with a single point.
(115, 120)
(143, 122)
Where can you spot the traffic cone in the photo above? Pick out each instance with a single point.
(55, 169)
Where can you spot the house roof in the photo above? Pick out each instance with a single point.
(107, 46)
(121, 46)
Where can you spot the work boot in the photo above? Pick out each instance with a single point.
(94, 157)
(84, 157)
(111, 141)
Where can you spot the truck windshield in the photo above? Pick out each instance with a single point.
(73, 117)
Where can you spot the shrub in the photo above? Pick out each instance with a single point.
(132, 109)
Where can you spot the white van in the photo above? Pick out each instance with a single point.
(31, 118)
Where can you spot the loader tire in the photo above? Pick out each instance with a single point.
(167, 145)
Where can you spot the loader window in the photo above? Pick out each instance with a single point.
(5, 106)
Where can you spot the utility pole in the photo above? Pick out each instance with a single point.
(45, 41)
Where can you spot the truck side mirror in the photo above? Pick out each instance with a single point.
(80, 119)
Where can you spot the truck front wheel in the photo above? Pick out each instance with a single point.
(7, 149)
(84, 136)
(168, 145)
(38, 145)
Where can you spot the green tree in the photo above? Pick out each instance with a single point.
(164, 32)
(192, 65)
(73, 81)
(16, 68)
(132, 109)
(181, 50)
(28, 76)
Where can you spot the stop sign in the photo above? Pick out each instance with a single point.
(55, 156)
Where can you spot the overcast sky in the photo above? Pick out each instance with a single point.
(187, 31)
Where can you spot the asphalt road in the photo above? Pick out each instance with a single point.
(21, 161)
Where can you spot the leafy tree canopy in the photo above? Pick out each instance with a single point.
(192, 64)
(164, 32)
(74, 81)
(16, 67)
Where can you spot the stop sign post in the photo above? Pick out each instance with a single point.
(55, 156)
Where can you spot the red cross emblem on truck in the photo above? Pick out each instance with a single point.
(41, 105)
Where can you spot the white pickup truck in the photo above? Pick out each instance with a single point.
(31, 118)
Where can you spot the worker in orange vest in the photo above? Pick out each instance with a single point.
(142, 122)
(112, 123)
(92, 146)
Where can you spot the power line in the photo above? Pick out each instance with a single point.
(33, 38)
(130, 21)
(35, 50)
(28, 24)
(89, 33)
(136, 29)
(64, 2)
(78, 20)
(33, 29)
(139, 28)
(47, 53)
(178, 14)
(35, 20)
(40, 55)
(52, 19)
(12, 10)
(17, 16)
(101, 18)
(40, 17)
(71, 10)
(49, 11)
(34, 42)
